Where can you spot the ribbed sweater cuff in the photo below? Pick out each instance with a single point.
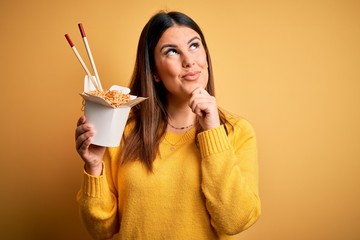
(213, 141)
(94, 186)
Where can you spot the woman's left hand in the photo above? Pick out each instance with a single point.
(205, 107)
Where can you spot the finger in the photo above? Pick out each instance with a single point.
(79, 141)
(199, 92)
(202, 109)
(199, 112)
(196, 98)
(203, 92)
(202, 102)
(83, 128)
(196, 90)
(83, 148)
(81, 120)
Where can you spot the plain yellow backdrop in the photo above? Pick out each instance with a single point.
(292, 68)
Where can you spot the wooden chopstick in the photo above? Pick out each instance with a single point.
(86, 43)
(82, 62)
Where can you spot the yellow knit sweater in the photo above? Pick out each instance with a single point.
(210, 192)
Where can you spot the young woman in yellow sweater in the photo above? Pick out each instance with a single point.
(184, 169)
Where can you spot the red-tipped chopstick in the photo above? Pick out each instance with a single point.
(83, 35)
(82, 62)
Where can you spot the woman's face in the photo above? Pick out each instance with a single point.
(181, 62)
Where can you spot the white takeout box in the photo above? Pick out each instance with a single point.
(109, 121)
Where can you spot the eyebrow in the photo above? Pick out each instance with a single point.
(174, 46)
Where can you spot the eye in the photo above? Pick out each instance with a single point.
(171, 52)
(194, 45)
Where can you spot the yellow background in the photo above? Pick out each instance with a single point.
(290, 67)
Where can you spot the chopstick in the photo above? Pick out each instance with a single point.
(82, 62)
(83, 35)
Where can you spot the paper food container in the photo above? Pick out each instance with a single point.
(109, 121)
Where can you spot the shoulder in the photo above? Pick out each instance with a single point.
(240, 132)
(235, 123)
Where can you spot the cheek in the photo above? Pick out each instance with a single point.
(206, 74)
(202, 60)
(168, 69)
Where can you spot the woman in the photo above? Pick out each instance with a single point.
(184, 169)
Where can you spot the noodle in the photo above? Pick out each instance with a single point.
(115, 98)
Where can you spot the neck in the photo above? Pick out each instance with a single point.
(181, 118)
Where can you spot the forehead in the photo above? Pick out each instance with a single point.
(177, 35)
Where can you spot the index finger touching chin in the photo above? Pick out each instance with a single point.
(197, 90)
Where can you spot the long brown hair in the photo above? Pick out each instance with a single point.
(149, 119)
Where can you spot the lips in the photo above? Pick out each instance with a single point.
(191, 76)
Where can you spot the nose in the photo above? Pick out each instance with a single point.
(187, 60)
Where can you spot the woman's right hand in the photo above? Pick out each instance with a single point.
(91, 154)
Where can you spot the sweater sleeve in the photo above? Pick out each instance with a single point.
(98, 204)
(230, 177)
